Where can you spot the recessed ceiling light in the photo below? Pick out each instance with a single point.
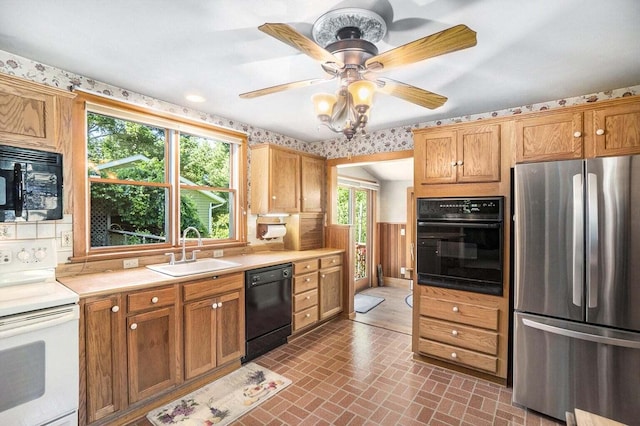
(195, 98)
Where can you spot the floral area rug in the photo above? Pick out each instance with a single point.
(222, 401)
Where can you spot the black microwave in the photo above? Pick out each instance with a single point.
(30, 184)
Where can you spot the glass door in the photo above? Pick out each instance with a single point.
(354, 209)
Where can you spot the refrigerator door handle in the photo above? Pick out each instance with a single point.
(578, 238)
(581, 335)
(592, 241)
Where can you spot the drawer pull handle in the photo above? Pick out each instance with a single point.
(307, 266)
(115, 308)
(577, 134)
(454, 355)
(454, 332)
(134, 326)
(154, 299)
(600, 132)
(455, 309)
(308, 297)
(308, 315)
(307, 280)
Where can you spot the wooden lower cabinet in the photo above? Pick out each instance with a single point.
(463, 328)
(211, 333)
(330, 286)
(152, 352)
(132, 348)
(103, 337)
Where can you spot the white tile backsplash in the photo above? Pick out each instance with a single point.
(46, 230)
(26, 230)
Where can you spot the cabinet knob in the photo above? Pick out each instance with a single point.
(454, 355)
(308, 297)
(133, 326)
(323, 275)
(460, 162)
(307, 266)
(214, 306)
(453, 164)
(154, 299)
(273, 197)
(308, 315)
(455, 309)
(577, 134)
(600, 132)
(219, 304)
(454, 332)
(115, 308)
(333, 261)
(307, 280)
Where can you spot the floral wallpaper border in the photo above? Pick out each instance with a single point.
(386, 140)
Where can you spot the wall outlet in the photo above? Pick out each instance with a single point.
(218, 253)
(67, 239)
(130, 263)
(402, 231)
(403, 271)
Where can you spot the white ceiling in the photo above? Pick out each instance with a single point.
(527, 52)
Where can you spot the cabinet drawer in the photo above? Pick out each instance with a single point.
(459, 335)
(305, 300)
(329, 261)
(305, 266)
(212, 286)
(304, 318)
(459, 356)
(151, 299)
(463, 313)
(305, 282)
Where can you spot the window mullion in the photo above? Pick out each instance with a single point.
(173, 177)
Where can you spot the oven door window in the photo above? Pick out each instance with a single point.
(22, 374)
(466, 256)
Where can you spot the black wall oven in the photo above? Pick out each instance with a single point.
(460, 243)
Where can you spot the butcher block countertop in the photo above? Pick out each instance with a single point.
(109, 282)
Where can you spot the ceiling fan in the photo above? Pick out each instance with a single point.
(344, 45)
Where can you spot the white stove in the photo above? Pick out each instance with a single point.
(39, 337)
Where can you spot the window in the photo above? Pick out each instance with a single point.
(150, 175)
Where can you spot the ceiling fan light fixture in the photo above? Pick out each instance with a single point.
(323, 104)
(361, 92)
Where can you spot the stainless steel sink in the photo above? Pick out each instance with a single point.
(200, 266)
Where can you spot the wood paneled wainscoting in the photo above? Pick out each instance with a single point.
(392, 252)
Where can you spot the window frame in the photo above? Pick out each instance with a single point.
(174, 124)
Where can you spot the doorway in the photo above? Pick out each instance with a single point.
(354, 207)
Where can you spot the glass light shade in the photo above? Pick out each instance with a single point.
(324, 103)
(362, 92)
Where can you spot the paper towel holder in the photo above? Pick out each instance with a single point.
(263, 228)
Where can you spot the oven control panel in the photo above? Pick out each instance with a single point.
(20, 255)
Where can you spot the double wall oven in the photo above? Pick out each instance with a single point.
(460, 243)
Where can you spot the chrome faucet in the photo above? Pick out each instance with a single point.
(184, 245)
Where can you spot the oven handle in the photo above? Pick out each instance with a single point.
(462, 224)
(27, 323)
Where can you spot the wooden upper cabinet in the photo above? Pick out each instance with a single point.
(478, 157)
(312, 184)
(286, 181)
(33, 115)
(616, 130)
(461, 155)
(550, 136)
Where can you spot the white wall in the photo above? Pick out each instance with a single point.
(392, 201)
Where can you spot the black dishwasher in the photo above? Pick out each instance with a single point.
(267, 309)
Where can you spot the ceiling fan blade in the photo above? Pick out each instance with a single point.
(289, 35)
(410, 93)
(449, 40)
(283, 87)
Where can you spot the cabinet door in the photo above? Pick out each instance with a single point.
(26, 115)
(435, 157)
(312, 184)
(478, 154)
(104, 339)
(284, 186)
(330, 291)
(151, 349)
(617, 130)
(554, 136)
(230, 327)
(200, 339)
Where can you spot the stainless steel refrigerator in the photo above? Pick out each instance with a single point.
(577, 287)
